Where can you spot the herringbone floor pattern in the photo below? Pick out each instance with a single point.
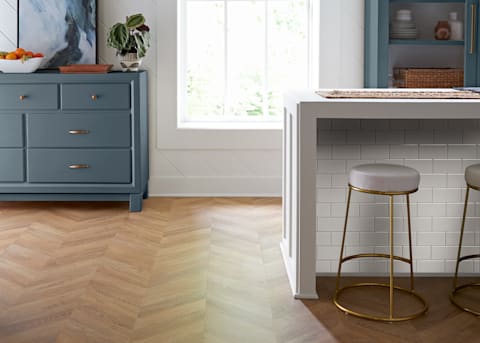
(184, 270)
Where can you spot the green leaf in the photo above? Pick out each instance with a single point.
(135, 21)
(118, 36)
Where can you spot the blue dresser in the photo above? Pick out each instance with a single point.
(74, 137)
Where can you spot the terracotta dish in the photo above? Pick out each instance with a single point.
(85, 68)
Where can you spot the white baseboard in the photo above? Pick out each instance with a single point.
(216, 186)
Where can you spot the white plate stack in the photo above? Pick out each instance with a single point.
(403, 27)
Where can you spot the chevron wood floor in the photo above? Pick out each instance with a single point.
(184, 270)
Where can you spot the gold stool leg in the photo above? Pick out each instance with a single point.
(343, 239)
(412, 286)
(462, 229)
(391, 257)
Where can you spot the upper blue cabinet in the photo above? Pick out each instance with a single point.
(401, 34)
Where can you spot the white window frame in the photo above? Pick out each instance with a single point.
(230, 122)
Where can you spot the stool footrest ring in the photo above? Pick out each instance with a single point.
(379, 317)
(351, 257)
(468, 257)
(457, 290)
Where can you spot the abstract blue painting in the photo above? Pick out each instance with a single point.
(65, 31)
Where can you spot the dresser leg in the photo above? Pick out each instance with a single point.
(136, 202)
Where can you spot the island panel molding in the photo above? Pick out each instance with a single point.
(68, 137)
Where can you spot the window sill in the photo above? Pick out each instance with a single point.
(230, 126)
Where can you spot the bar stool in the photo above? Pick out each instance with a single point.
(390, 180)
(472, 178)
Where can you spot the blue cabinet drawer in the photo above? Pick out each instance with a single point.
(11, 131)
(29, 96)
(79, 166)
(11, 165)
(96, 96)
(79, 130)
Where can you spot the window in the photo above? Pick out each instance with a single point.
(237, 57)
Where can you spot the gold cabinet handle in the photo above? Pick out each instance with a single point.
(22, 97)
(473, 24)
(78, 132)
(94, 97)
(79, 166)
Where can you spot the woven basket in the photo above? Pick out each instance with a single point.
(427, 77)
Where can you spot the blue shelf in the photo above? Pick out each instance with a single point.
(426, 42)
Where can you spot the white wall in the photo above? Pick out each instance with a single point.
(214, 162)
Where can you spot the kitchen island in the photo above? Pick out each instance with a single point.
(323, 137)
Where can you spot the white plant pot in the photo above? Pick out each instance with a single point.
(130, 62)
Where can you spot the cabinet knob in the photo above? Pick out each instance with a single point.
(22, 97)
(79, 166)
(94, 97)
(78, 132)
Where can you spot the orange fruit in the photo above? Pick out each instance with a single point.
(28, 54)
(38, 54)
(11, 56)
(20, 52)
(2, 57)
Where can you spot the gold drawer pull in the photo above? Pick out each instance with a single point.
(79, 132)
(79, 166)
(22, 97)
(94, 97)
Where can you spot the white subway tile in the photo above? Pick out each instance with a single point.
(401, 238)
(456, 181)
(472, 224)
(346, 152)
(471, 136)
(448, 136)
(468, 163)
(433, 151)
(328, 195)
(373, 266)
(433, 124)
(422, 195)
(324, 180)
(465, 267)
(385, 249)
(373, 238)
(347, 267)
(447, 195)
(361, 224)
(360, 136)
(373, 210)
(431, 238)
(422, 224)
(330, 224)
(447, 166)
(374, 124)
(351, 164)
(324, 238)
(433, 180)
(462, 123)
(453, 238)
(430, 266)
(340, 180)
(432, 210)
(419, 136)
(324, 124)
(463, 151)
(456, 209)
(328, 253)
(331, 137)
(322, 266)
(346, 124)
(403, 124)
(420, 252)
(422, 166)
(324, 151)
(374, 151)
(404, 151)
(445, 224)
(355, 250)
(390, 136)
(338, 209)
(352, 239)
(444, 253)
(331, 166)
(382, 224)
(323, 209)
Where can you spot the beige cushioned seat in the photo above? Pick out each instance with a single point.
(472, 175)
(386, 177)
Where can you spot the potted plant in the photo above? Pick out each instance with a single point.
(132, 40)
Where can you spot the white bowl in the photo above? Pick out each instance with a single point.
(19, 66)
